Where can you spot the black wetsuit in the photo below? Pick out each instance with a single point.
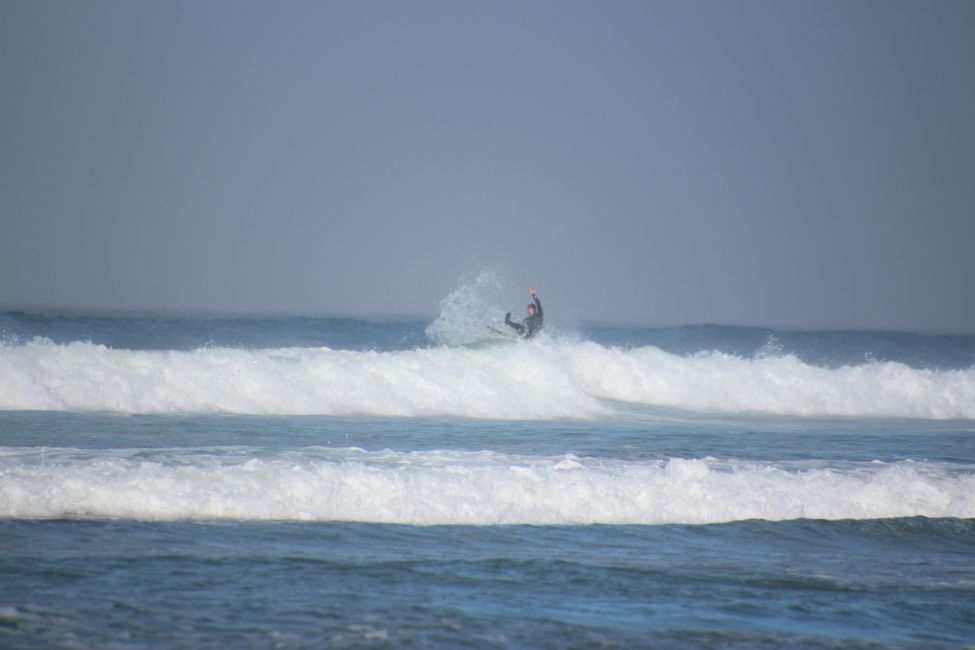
(530, 326)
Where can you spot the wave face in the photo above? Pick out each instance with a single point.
(540, 380)
(456, 487)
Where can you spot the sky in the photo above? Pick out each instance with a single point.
(780, 163)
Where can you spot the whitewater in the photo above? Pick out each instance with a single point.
(544, 379)
(466, 488)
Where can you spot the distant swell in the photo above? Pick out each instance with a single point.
(529, 381)
(478, 488)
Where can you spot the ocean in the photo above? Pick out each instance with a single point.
(246, 482)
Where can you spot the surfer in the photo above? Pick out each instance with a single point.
(530, 326)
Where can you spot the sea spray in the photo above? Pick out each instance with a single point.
(467, 311)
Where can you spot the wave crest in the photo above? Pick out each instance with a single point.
(538, 380)
(476, 488)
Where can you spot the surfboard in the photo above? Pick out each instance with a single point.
(496, 338)
(503, 334)
(490, 343)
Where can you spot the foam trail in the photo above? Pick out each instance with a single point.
(476, 488)
(539, 380)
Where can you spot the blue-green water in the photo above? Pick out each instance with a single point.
(900, 582)
(298, 483)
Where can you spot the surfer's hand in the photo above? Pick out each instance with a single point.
(531, 290)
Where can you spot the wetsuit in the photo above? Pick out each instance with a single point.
(530, 326)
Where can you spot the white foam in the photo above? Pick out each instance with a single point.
(477, 488)
(538, 380)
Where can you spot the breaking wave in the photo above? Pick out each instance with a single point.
(455, 487)
(538, 380)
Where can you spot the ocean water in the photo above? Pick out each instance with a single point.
(191, 482)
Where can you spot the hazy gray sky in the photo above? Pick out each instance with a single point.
(773, 162)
